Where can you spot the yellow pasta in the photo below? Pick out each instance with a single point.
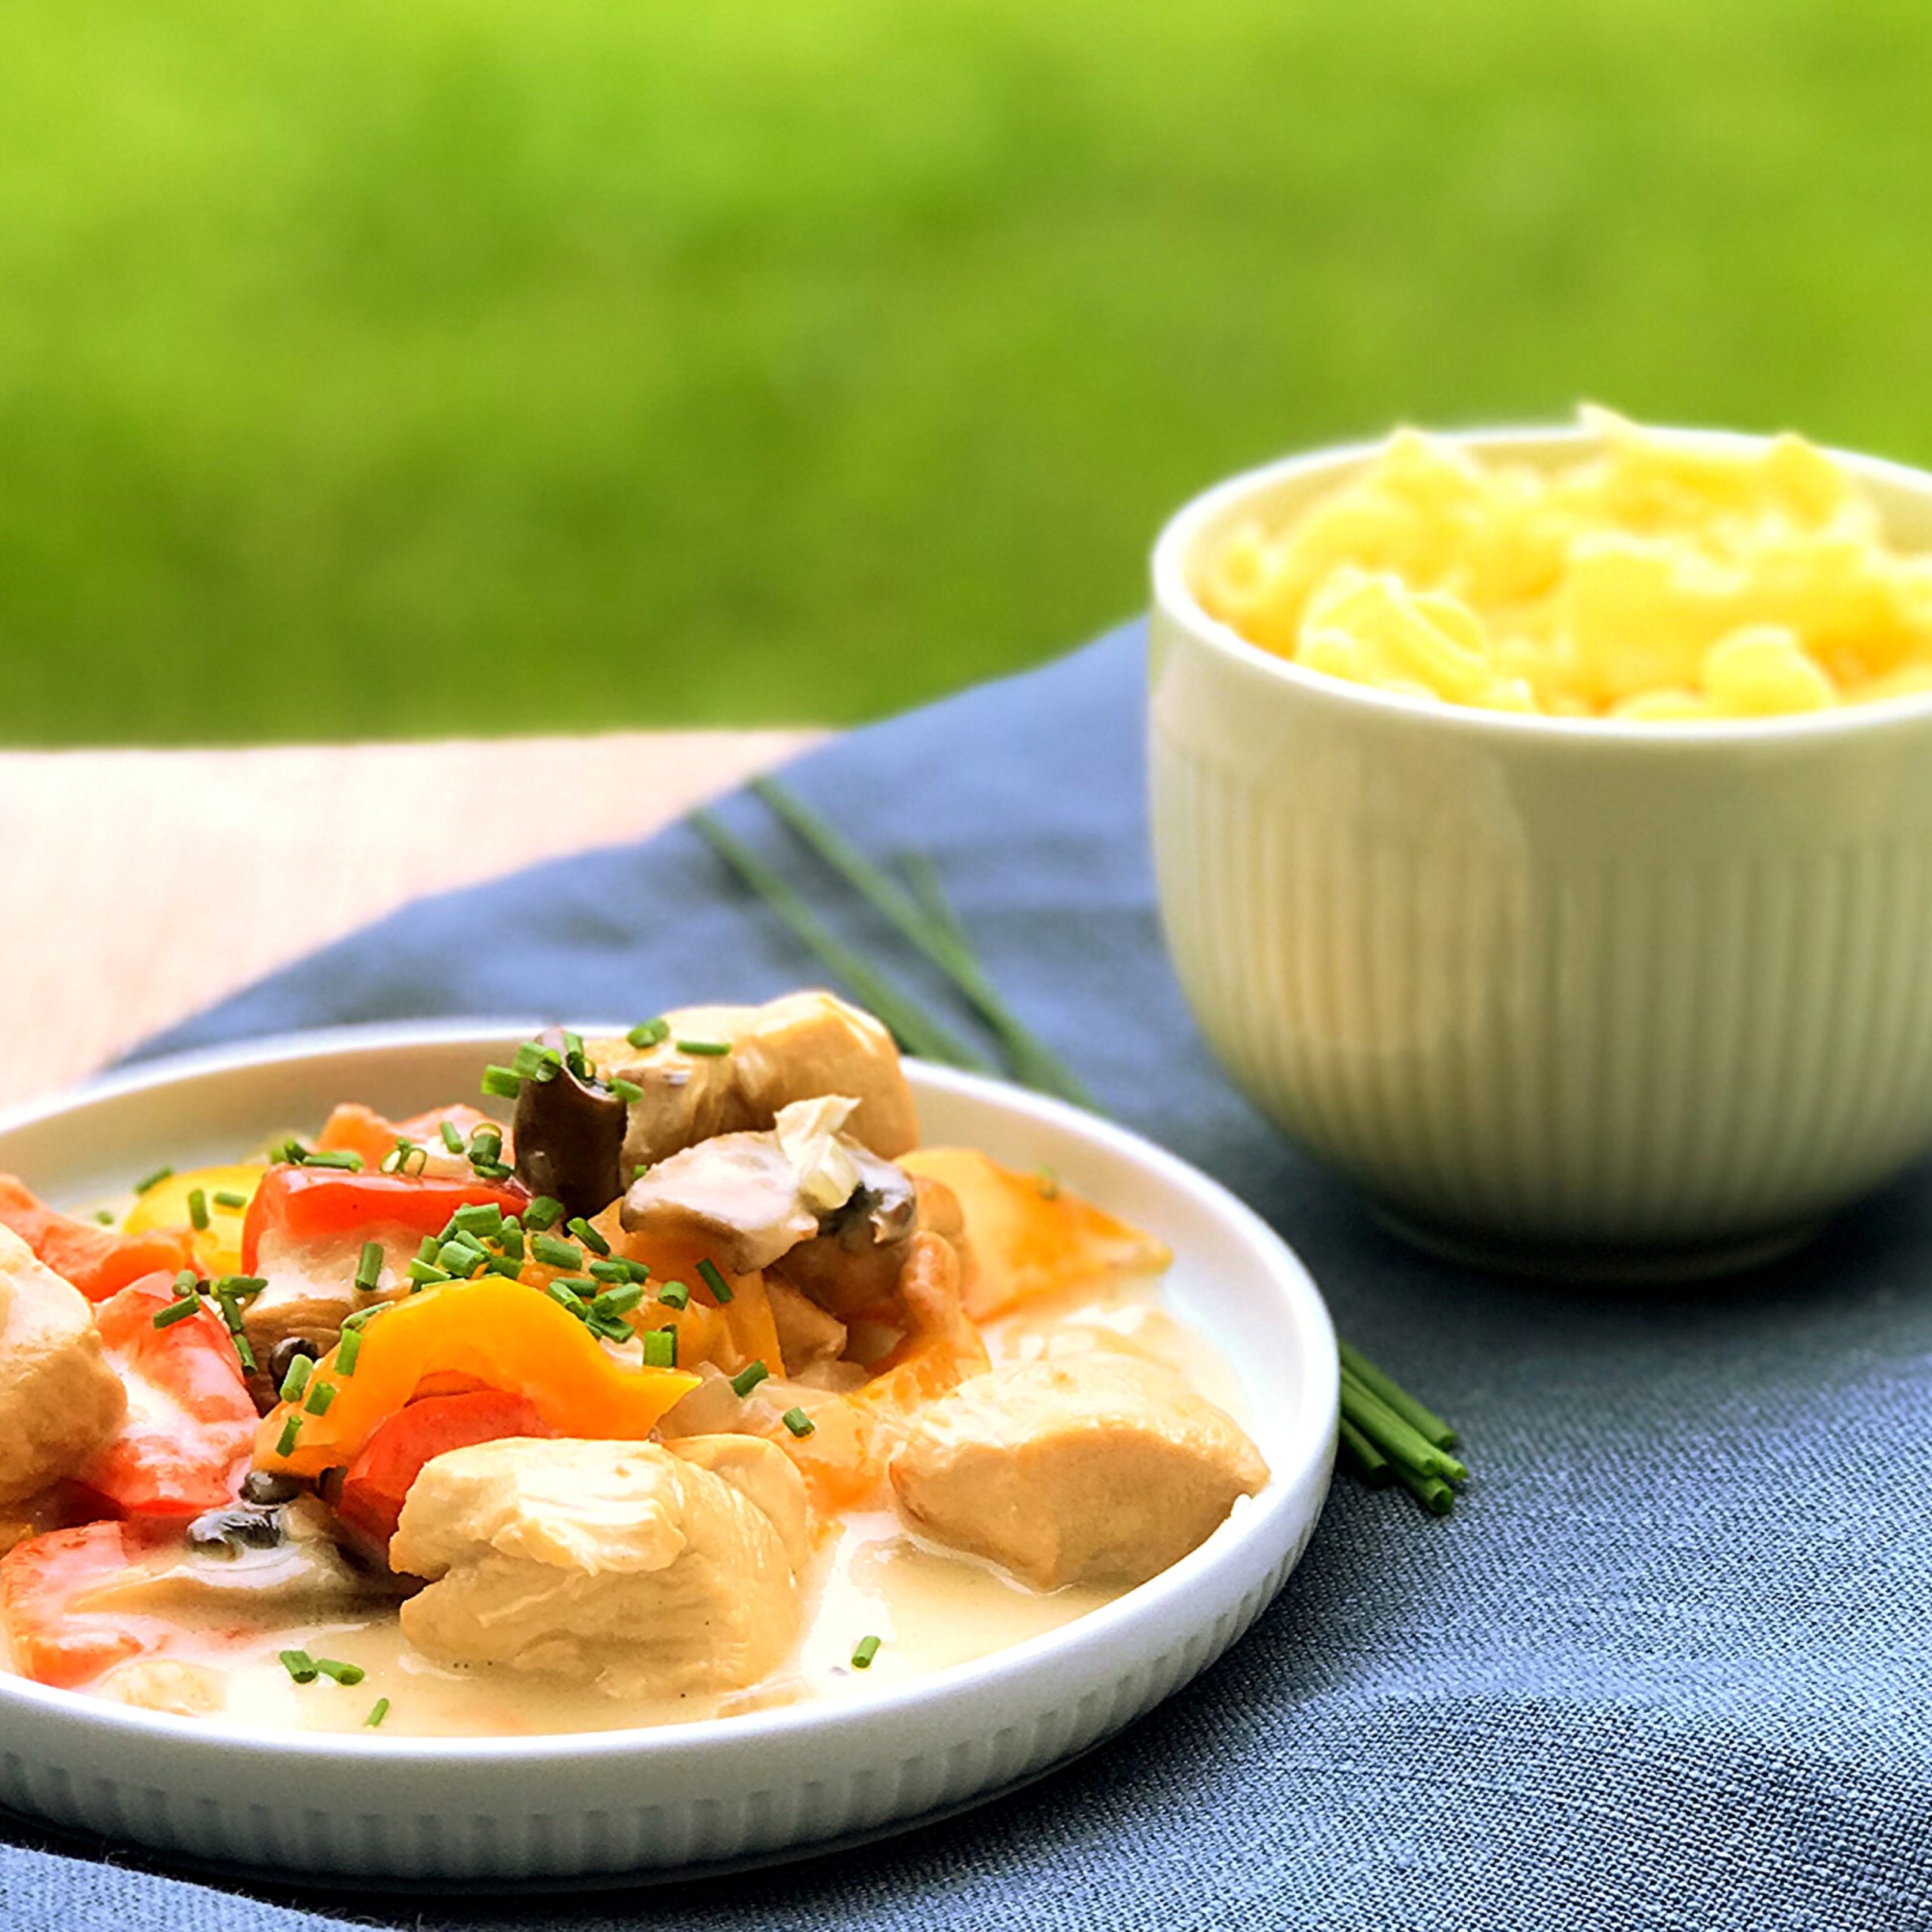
(1668, 578)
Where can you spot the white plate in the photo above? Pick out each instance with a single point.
(740, 1788)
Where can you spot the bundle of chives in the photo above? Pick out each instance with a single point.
(1385, 1435)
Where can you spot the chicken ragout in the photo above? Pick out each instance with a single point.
(698, 1386)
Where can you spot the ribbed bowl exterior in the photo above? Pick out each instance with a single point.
(1637, 989)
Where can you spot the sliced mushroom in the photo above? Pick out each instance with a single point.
(569, 1136)
(218, 1574)
(793, 1048)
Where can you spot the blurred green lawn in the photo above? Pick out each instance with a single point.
(491, 364)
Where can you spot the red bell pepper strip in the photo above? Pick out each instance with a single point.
(314, 1203)
(378, 1481)
(96, 1260)
(184, 1446)
(38, 1579)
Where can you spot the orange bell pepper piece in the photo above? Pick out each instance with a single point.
(96, 1260)
(1030, 1237)
(353, 1128)
(490, 1333)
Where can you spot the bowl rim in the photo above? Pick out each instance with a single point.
(1147, 1607)
(1174, 598)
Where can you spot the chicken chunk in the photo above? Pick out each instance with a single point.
(795, 1048)
(1102, 1469)
(59, 1400)
(619, 1564)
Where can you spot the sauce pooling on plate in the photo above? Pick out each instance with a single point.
(696, 1387)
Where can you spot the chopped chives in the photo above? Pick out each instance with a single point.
(105, 1215)
(491, 1170)
(648, 1032)
(185, 1283)
(425, 1274)
(545, 1211)
(348, 1161)
(452, 1139)
(562, 1296)
(226, 1197)
(628, 1091)
(364, 1316)
(154, 1180)
(535, 1061)
(638, 1172)
(241, 1285)
(321, 1395)
(555, 1253)
(708, 1273)
(581, 1286)
(342, 1673)
(486, 1143)
(589, 1235)
(862, 1655)
(502, 1082)
(660, 1347)
(285, 1443)
(705, 1049)
(511, 1241)
(674, 1294)
(426, 1248)
(616, 1268)
(297, 1379)
(748, 1378)
(480, 1217)
(377, 1712)
(347, 1351)
(618, 1301)
(243, 1352)
(461, 1255)
(573, 1043)
(301, 1666)
(510, 1267)
(197, 1208)
(797, 1422)
(177, 1310)
(369, 1269)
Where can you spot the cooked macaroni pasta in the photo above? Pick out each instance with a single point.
(1669, 578)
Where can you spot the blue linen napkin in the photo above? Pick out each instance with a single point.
(1669, 1663)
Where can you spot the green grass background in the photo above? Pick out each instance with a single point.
(483, 365)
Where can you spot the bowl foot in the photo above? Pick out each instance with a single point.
(1588, 1262)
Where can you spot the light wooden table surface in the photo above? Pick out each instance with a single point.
(137, 886)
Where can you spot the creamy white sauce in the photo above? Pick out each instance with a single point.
(930, 1608)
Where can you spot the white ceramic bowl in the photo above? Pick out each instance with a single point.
(1584, 996)
(373, 1806)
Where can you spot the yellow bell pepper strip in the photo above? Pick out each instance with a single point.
(1029, 1236)
(168, 1204)
(490, 1333)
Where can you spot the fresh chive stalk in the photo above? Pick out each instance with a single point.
(914, 1028)
(1391, 1393)
(1363, 1459)
(1407, 1448)
(941, 939)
